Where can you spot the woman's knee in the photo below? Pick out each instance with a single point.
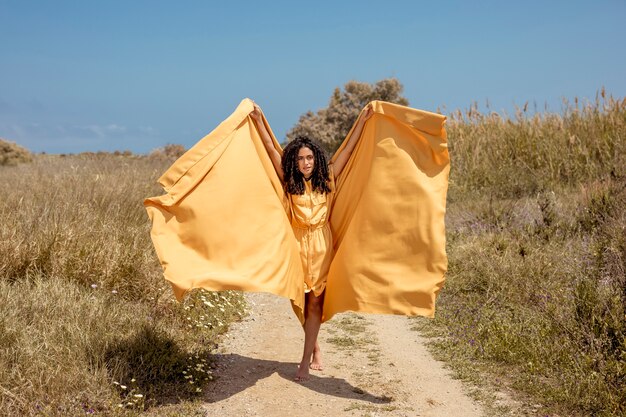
(314, 304)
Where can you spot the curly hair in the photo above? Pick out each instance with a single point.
(293, 178)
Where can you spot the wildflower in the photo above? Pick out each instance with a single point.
(94, 286)
(123, 386)
(114, 291)
(138, 395)
(133, 380)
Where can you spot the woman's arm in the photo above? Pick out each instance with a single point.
(257, 116)
(351, 141)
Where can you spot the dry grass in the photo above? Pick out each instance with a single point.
(168, 152)
(536, 290)
(527, 154)
(12, 154)
(535, 298)
(87, 323)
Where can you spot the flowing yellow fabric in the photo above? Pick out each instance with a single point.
(388, 216)
(225, 222)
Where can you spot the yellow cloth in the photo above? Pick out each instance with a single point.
(388, 216)
(222, 223)
(309, 220)
(225, 222)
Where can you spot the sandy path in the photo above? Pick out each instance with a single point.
(374, 366)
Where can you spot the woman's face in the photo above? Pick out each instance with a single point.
(306, 161)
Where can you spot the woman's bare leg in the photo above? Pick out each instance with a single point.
(312, 324)
(316, 361)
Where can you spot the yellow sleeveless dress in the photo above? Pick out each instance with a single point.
(309, 220)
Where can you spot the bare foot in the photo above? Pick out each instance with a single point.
(302, 374)
(316, 363)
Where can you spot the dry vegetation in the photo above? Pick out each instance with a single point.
(12, 154)
(535, 297)
(87, 323)
(536, 289)
(168, 152)
(330, 125)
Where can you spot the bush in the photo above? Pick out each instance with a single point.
(329, 126)
(12, 154)
(168, 152)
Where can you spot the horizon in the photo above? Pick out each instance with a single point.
(529, 112)
(86, 78)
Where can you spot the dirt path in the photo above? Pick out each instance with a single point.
(374, 366)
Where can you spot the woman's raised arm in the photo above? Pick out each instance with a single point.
(344, 155)
(257, 116)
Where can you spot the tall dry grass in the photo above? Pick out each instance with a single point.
(87, 323)
(536, 288)
(535, 297)
(531, 153)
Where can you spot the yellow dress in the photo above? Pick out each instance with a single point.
(309, 219)
(225, 221)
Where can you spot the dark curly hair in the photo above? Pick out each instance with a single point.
(294, 180)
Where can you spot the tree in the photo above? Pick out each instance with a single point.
(330, 126)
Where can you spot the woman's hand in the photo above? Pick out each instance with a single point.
(342, 158)
(256, 114)
(367, 113)
(257, 117)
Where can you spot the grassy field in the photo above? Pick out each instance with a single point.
(534, 303)
(535, 298)
(87, 322)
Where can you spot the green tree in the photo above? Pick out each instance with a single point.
(329, 126)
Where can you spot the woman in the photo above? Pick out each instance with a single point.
(310, 184)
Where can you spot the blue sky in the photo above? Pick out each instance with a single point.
(85, 76)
